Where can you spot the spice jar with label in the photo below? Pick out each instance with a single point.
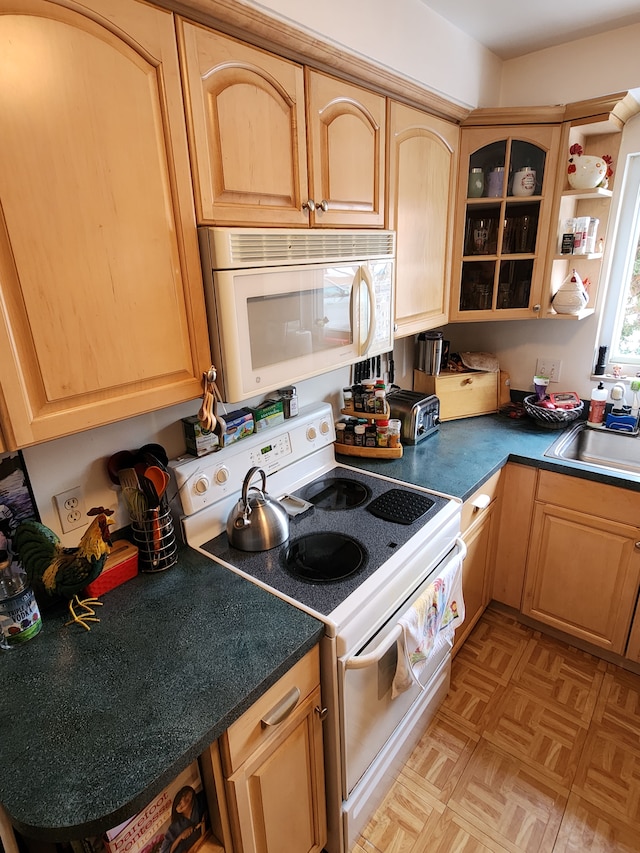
(382, 433)
(358, 437)
(370, 435)
(394, 433)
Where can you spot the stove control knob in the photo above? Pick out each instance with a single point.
(201, 484)
(325, 429)
(312, 433)
(222, 475)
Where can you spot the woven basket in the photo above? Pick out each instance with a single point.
(551, 418)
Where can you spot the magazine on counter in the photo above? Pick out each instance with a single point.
(175, 821)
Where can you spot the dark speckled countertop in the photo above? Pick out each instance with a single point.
(95, 724)
(462, 454)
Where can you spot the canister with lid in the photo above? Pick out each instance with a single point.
(475, 186)
(496, 182)
(289, 397)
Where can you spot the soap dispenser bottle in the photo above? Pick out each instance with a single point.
(597, 406)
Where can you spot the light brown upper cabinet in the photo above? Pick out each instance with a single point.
(101, 304)
(423, 153)
(504, 200)
(273, 143)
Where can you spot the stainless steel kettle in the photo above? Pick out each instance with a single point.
(257, 522)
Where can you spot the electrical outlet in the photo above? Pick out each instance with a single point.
(549, 367)
(70, 506)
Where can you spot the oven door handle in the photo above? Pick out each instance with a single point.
(363, 661)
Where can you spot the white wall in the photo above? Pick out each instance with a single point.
(407, 37)
(585, 68)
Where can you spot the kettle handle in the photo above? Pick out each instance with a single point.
(247, 480)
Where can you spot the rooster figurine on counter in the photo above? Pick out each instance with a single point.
(57, 572)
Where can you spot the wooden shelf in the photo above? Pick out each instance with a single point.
(366, 416)
(553, 315)
(592, 256)
(379, 452)
(598, 192)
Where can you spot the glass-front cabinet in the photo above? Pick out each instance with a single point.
(505, 184)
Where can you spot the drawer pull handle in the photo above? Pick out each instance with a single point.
(481, 502)
(282, 710)
(321, 712)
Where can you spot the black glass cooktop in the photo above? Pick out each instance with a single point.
(378, 538)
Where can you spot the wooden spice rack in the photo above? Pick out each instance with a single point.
(376, 452)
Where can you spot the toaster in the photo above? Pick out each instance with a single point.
(419, 415)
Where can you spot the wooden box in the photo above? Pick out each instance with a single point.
(461, 394)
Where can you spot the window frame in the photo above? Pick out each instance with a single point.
(621, 246)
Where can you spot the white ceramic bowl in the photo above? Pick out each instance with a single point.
(589, 171)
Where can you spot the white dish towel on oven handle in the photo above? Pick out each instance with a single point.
(430, 621)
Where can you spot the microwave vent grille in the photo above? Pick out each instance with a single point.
(260, 247)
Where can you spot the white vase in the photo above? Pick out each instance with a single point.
(586, 172)
(571, 297)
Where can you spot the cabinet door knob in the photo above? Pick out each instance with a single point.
(323, 205)
(536, 308)
(321, 712)
(309, 205)
(468, 381)
(282, 709)
(637, 546)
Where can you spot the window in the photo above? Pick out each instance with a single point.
(620, 329)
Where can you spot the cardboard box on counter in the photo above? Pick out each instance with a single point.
(267, 414)
(197, 439)
(232, 426)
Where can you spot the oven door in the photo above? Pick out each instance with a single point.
(370, 716)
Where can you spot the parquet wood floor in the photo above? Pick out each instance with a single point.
(536, 748)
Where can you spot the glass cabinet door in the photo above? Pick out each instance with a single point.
(502, 195)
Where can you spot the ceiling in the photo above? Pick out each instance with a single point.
(510, 29)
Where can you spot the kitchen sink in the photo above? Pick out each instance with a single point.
(604, 448)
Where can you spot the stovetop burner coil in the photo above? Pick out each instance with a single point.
(401, 506)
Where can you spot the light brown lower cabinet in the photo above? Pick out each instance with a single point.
(518, 496)
(479, 515)
(270, 762)
(583, 565)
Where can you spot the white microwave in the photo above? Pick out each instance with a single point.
(286, 305)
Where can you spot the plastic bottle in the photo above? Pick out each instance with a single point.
(19, 612)
(598, 402)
